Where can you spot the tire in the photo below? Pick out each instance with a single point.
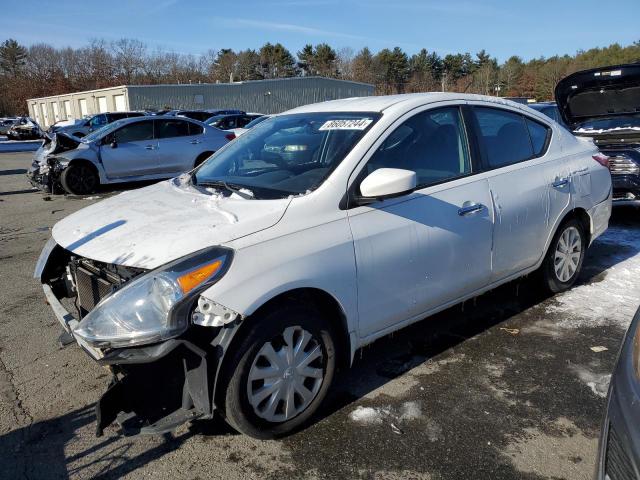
(294, 322)
(79, 179)
(560, 272)
(201, 158)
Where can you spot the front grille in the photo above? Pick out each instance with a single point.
(91, 288)
(617, 463)
(623, 165)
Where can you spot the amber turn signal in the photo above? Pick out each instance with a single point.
(194, 278)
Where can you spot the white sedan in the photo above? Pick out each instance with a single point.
(240, 287)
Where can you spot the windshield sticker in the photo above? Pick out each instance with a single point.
(350, 124)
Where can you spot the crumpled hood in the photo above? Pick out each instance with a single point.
(606, 92)
(53, 144)
(151, 226)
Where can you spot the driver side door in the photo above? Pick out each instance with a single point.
(134, 152)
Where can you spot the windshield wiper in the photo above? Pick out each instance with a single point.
(230, 188)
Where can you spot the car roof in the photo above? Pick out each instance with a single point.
(409, 100)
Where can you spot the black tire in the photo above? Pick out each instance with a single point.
(236, 407)
(79, 179)
(550, 279)
(201, 158)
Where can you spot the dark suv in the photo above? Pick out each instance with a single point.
(604, 104)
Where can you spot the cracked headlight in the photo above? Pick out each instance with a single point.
(155, 306)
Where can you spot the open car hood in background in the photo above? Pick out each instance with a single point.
(599, 93)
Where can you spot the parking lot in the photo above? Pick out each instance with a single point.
(511, 385)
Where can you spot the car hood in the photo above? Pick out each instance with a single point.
(599, 93)
(149, 227)
(55, 143)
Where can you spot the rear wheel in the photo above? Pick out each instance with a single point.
(201, 158)
(280, 373)
(563, 262)
(79, 179)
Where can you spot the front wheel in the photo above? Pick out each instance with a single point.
(79, 179)
(562, 265)
(280, 373)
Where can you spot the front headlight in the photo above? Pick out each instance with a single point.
(155, 306)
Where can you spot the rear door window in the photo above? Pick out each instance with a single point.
(195, 129)
(135, 132)
(171, 128)
(504, 137)
(539, 134)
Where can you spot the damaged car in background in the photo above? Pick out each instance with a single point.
(81, 127)
(25, 128)
(127, 150)
(240, 287)
(604, 104)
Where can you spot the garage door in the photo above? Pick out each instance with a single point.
(45, 114)
(82, 103)
(120, 104)
(102, 104)
(68, 114)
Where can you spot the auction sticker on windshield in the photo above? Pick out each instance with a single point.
(348, 124)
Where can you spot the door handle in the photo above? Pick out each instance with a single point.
(560, 182)
(150, 147)
(468, 208)
(195, 142)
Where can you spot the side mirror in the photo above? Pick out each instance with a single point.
(387, 183)
(113, 144)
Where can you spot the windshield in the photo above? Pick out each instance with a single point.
(101, 132)
(621, 122)
(286, 155)
(215, 119)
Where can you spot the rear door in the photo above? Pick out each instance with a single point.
(179, 144)
(135, 151)
(528, 188)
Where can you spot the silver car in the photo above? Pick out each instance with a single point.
(132, 149)
(80, 128)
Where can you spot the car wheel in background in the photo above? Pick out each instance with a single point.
(201, 158)
(79, 179)
(279, 374)
(563, 262)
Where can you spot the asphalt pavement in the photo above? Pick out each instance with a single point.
(509, 386)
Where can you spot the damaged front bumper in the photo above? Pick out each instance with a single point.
(154, 388)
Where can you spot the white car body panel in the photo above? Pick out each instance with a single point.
(386, 264)
(118, 229)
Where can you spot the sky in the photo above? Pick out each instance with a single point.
(501, 27)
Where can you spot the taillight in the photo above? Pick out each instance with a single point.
(602, 159)
(230, 136)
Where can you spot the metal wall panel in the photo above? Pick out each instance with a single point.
(264, 96)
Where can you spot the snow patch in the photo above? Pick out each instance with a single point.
(612, 301)
(408, 411)
(367, 415)
(597, 382)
